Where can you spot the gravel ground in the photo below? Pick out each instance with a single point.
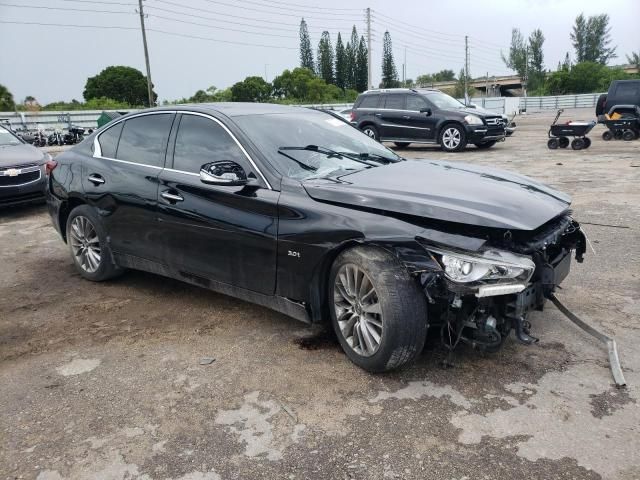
(106, 381)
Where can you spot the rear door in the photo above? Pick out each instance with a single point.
(391, 115)
(121, 181)
(226, 234)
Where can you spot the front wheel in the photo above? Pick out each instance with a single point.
(371, 132)
(628, 135)
(577, 144)
(401, 144)
(453, 138)
(378, 311)
(89, 249)
(485, 144)
(607, 135)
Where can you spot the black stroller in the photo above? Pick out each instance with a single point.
(559, 133)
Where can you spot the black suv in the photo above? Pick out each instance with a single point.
(405, 116)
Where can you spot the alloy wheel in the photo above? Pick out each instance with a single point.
(370, 133)
(85, 244)
(358, 310)
(451, 138)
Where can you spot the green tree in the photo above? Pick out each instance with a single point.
(389, 72)
(584, 77)
(428, 78)
(536, 60)
(591, 38)
(325, 58)
(300, 85)
(341, 64)
(352, 59)
(634, 59)
(517, 58)
(121, 83)
(251, 89)
(362, 70)
(458, 90)
(306, 54)
(6, 99)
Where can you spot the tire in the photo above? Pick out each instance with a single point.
(393, 306)
(563, 142)
(401, 144)
(577, 144)
(87, 243)
(607, 135)
(587, 142)
(452, 138)
(600, 103)
(617, 135)
(371, 132)
(628, 135)
(485, 145)
(553, 143)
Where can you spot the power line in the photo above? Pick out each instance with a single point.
(305, 8)
(294, 28)
(419, 28)
(263, 21)
(64, 9)
(175, 34)
(218, 2)
(96, 2)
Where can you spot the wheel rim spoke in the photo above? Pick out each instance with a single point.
(358, 310)
(85, 244)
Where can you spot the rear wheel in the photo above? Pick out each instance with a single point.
(378, 311)
(577, 144)
(371, 132)
(553, 143)
(606, 136)
(628, 135)
(401, 144)
(453, 138)
(587, 142)
(485, 144)
(89, 250)
(563, 142)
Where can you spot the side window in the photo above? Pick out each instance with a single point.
(369, 101)
(394, 101)
(108, 140)
(201, 140)
(416, 103)
(144, 139)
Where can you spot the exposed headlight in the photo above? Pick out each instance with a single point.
(473, 120)
(488, 267)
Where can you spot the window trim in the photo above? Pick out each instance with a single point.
(98, 149)
(233, 137)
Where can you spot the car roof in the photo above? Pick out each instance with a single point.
(237, 109)
(401, 90)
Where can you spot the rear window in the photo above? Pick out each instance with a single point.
(395, 102)
(628, 90)
(144, 139)
(369, 101)
(109, 140)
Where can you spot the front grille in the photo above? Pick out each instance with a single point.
(495, 121)
(20, 179)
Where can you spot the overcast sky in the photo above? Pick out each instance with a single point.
(52, 62)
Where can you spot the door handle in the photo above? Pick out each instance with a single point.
(406, 117)
(378, 114)
(96, 179)
(171, 197)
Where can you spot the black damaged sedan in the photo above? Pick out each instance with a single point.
(296, 210)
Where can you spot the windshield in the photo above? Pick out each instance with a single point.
(444, 101)
(7, 138)
(272, 132)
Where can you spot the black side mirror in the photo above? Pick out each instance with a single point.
(225, 172)
(426, 110)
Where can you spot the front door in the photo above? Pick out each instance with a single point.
(419, 125)
(121, 181)
(217, 233)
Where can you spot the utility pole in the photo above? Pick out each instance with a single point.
(404, 69)
(466, 69)
(266, 78)
(146, 55)
(525, 80)
(486, 85)
(369, 85)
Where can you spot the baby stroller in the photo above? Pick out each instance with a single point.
(559, 133)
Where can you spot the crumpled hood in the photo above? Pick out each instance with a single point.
(454, 192)
(11, 155)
